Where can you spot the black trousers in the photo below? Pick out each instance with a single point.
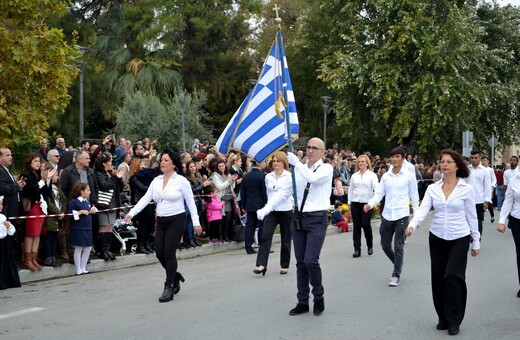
(145, 224)
(361, 220)
(167, 239)
(284, 219)
(480, 216)
(252, 223)
(448, 275)
(514, 225)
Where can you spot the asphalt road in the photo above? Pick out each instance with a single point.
(223, 299)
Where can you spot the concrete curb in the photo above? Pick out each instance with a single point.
(134, 260)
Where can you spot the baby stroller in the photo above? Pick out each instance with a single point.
(125, 232)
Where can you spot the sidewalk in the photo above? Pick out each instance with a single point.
(134, 260)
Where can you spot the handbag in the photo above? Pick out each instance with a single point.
(27, 204)
(104, 198)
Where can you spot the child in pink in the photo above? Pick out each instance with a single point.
(214, 214)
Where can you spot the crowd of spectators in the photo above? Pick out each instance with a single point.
(125, 170)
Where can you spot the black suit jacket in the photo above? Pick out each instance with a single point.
(11, 192)
(252, 191)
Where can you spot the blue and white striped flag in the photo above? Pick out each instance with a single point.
(259, 126)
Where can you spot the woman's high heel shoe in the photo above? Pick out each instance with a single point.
(262, 271)
(167, 294)
(177, 282)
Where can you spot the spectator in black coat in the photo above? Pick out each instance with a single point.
(254, 196)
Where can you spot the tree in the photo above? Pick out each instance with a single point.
(144, 114)
(36, 69)
(129, 44)
(407, 71)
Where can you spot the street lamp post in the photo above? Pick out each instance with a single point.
(81, 119)
(325, 104)
(182, 102)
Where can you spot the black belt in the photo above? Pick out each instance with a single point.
(320, 213)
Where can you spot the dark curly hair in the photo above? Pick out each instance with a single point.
(176, 159)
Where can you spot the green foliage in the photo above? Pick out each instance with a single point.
(144, 114)
(404, 71)
(36, 69)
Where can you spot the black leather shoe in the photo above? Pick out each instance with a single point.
(442, 326)
(357, 253)
(453, 330)
(167, 294)
(518, 294)
(319, 307)
(299, 309)
(252, 251)
(370, 251)
(142, 250)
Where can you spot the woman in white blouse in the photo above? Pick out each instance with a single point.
(454, 227)
(363, 183)
(169, 190)
(511, 210)
(277, 211)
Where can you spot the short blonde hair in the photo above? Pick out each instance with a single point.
(282, 157)
(367, 160)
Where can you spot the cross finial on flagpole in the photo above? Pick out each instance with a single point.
(277, 20)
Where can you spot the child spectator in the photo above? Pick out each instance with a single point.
(337, 219)
(214, 214)
(81, 226)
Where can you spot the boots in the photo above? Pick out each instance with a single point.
(141, 249)
(34, 262)
(167, 294)
(177, 282)
(106, 241)
(27, 262)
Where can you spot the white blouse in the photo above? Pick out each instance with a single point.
(511, 203)
(452, 218)
(279, 192)
(170, 200)
(362, 187)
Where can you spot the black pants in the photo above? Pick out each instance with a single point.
(361, 220)
(284, 219)
(167, 239)
(514, 225)
(49, 246)
(145, 224)
(448, 275)
(252, 223)
(480, 216)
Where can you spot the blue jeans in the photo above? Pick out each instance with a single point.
(499, 192)
(396, 230)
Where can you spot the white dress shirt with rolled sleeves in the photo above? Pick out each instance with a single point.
(319, 175)
(279, 192)
(399, 190)
(511, 203)
(170, 200)
(481, 183)
(362, 187)
(453, 218)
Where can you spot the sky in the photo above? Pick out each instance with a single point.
(512, 2)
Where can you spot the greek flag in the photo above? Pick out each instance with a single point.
(259, 126)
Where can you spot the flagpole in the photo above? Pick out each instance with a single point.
(278, 22)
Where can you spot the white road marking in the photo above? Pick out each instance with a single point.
(21, 312)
